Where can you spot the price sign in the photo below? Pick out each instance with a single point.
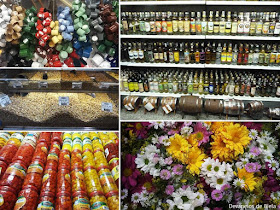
(107, 107)
(43, 84)
(17, 84)
(104, 85)
(77, 85)
(5, 100)
(63, 101)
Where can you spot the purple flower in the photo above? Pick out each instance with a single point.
(178, 169)
(237, 196)
(168, 161)
(161, 138)
(201, 133)
(169, 189)
(165, 174)
(217, 195)
(225, 187)
(184, 187)
(156, 158)
(251, 167)
(255, 151)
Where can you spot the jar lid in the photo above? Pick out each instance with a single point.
(19, 162)
(47, 193)
(80, 193)
(29, 187)
(96, 193)
(64, 151)
(42, 142)
(63, 193)
(111, 193)
(50, 166)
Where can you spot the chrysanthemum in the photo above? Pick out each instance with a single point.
(178, 147)
(274, 165)
(215, 126)
(207, 167)
(217, 195)
(201, 134)
(124, 193)
(218, 182)
(251, 167)
(165, 174)
(253, 133)
(194, 160)
(239, 183)
(178, 169)
(248, 178)
(169, 189)
(255, 151)
(135, 198)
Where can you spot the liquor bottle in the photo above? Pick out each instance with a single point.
(187, 54)
(156, 87)
(147, 23)
(231, 87)
(216, 23)
(229, 54)
(240, 28)
(266, 24)
(277, 26)
(217, 85)
(124, 52)
(181, 23)
(175, 23)
(176, 54)
(228, 23)
(248, 87)
(201, 84)
(267, 55)
(192, 55)
(142, 23)
(210, 23)
(169, 23)
(155, 50)
(187, 23)
(259, 25)
(211, 84)
(130, 21)
(153, 29)
(202, 53)
(251, 55)
(130, 53)
(197, 53)
(164, 23)
(256, 55)
(242, 87)
(278, 56)
(278, 89)
(222, 27)
(165, 84)
(181, 53)
(240, 55)
(206, 84)
(218, 53)
(175, 85)
(166, 53)
(135, 52)
(213, 53)
(235, 55)
(195, 83)
(224, 54)
(158, 23)
(130, 83)
(124, 23)
(191, 85)
(193, 23)
(180, 84)
(160, 53)
(170, 53)
(208, 54)
(262, 55)
(140, 53)
(273, 55)
(253, 24)
(237, 87)
(272, 24)
(204, 23)
(140, 84)
(234, 24)
(185, 85)
(146, 84)
(125, 83)
(198, 24)
(246, 55)
(253, 88)
(170, 84)
(150, 53)
(247, 24)
(160, 84)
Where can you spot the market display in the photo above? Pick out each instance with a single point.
(59, 171)
(36, 37)
(200, 165)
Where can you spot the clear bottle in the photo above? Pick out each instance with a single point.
(170, 53)
(222, 27)
(125, 83)
(190, 84)
(195, 83)
(150, 53)
(229, 54)
(164, 23)
(181, 53)
(211, 83)
(256, 55)
(240, 28)
(187, 54)
(156, 55)
(124, 23)
(228, 23)
(198, 24)
(147, 23)
(175, 23)
(224, 54)
(202, 53)
(234, 25)
(266, 24)
(201, 84)
(217, 23)
(135, 52)
(165, 84)
(231, 87)
(153, 29)
(218, 53)
(262, 55)
(253, 88)
(160, 53)
(204, 24)
(158, 23)
(206, 84)
(234, 55)
(175, 85)
(142, 29)
(273, 55)
(210, 24)
(156, 84)
(251, 55)
(277, 26)
(272, 23)
(247, 24)
(187, 24)
(259, 24)
(193, 23)
(185, 84)
(169, 23)
(141, 57)
(253, 24)
(170, 84)
(181, 23)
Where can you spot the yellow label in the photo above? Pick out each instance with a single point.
(116, 172)
(1, 200)
(20, 203)
(45, 177)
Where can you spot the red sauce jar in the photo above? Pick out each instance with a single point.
(63, 201)
(80, 200)
(41, 152)
(49, 181)
(55, 147)
(27, 199)
(76, 160)
(3, 168)
(46, 201)
(34, 175)
(52, 161)
(14, 176)
(111, 151)
(8, 197)
(57, 136)
(64, 160)
(7, 153)
(24, 154)
(63, 181)
(78, 180)
(45, 137)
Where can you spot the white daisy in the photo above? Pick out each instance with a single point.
(125, 207)
(218, 181)
(135, 197)
(155, 139)
(124, 193)
(268, 158)
(240, 183)
(274, 165)
(151, 149)
(207, 167)
(154, 172)
(218, 169)
(228, 196)
(144, 162)
(157, 125)
(186, 130)
(278, 172)
(277, 126)
(253, 133)
(228, 171)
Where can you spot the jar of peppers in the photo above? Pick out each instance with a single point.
(57, 136)
(55, 147)
(78, 180)
(76, 160)
(16, 139)
(49, 181)
(107, 181)
(24, 154)
(63, 181)
(113, 200)
(100, 161)
(97, 146)
(67, 135)
(63, 201)
(3, 168)
(34, 175)
(87, 145)
(46, 201)
(52, 160)
(4, 137)
(7, 153)
(98, 201)
(8, 197)
(45, 137)
(14, 176)
(27, 199)
(77, 145)
(67, 145)
(64, 160)
(80, 200)
(41, 152)
(88, 159)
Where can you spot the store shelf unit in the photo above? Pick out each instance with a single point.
(162, 3)
(244, 3)
(61, 68)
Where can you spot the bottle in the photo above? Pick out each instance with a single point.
(272, 24)
(253, 25)
(253, 88)
(222, 27)
(147, 23)
(160, 84)
(211, 84)
(192, 54)
(176, 53)
(198, 24)
(156, 88)
(181, 23)
(135, 83)
(150, 53)
(256, 55)
(228, 23)
(175, 85)
(135, 52)
(206, 84)
(142, 23)
(151, 83)
(234, 55)
(125, 83)
(153, 29)
(124, 52)
(166, 53)
(190, 85)
(210, 23)
(130, 83)
(180, 84)
(224, 54)
(251, 55)
(266, 24)
(259, 25)
(195, 83)
(140, 53)
(216, 23)
(277, 26)
(164, 24)
(185, 85)
(246, 54)
(170, 53)
(208, 54)
(187, 54)
(156, 56)
(237, 86)
(248, 87)
(158, 23)
(193, 23)
(234, 24)
(217, 85)
(262, 55)
(181, 53)
(146, 84)
(273, 55)
(218, 53)
(187, 23)
(231, 87)
(240, 28)
(200, 84)
(165, 84)
(213, 53)
(124, 23)
(160, 53)
(140, 84)
(278, 56)
(169, 23)
(229, 54)
(240, 55)
(247, 24)
(204, 23)
(170, 84)
(197, 53)
(130, 21)
(175, 23)
(130, 53)
(202, 53)
(242, 87)
(267, 55)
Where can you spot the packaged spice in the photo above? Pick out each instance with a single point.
(3, 168)
(45, 137)
(14, 176)
(34, 175)
(27, 199)
(24, 154)
(64, 160)
(8, 197)
(63, 201)
(63, 181)
(41, 152)
(46, 201)
(78, 181)
(80, 201)
(7, 153)
(49, 181)
(57, 136)
(76, 161)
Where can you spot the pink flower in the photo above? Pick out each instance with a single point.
(237, 196)
(139, 128)
(178, 169)
(156, 159)
(225, 187)
(252, 125)
(217, 195)
(169, 189)
(251, 167)
(161, 138)
(129, 171)
(168, 161)
(202, 134)
(255, 151)
(165, 174)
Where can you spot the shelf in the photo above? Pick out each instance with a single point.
(244, 3)
(244, 98)
(60, 129)
(128, 3)
(220, 66)
(265, 38)
(60, 68)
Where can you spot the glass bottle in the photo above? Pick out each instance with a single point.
(153, 29)
(158, 23)
(277, 26)
(135, 52)
(231, 87)
(229, 54)
(234, 24)
(181, 53)
(204, 23)
(150, 53)
(170, 84)
(124, 23)
(175, 23)
(200, 84)
(156, 86)
(170, 53)
(202, 53)
(193, 23)
(272, 24)
(195, 83)
(237, 86)
(197, 53)
(213, 53)
(216, 23)
(278, 56)
(142, 29)
(251, 55)
(169, 23)
(192, 55)
(181, 23)
(228, 23)
(240, 55)
(210, 24)
(187, 54)
(218, 53)
(147, 23)
(164, 24)
(211, 84)
(175, 85)
(262, 55)
(253, 24)
(206, 84)
(208, 54)
(266, 23)
(125, 83)
(130, 23)
(222, 27)
(165, 84)
(140, 84)
(156, 56)
(187, 23)
(240, 28)
(253, 88)
(160, 53)
(176, 53)
(185, 85)
(246, 54)
(130, 83)
(259, 24)
(166, 53)
(234, 55)
(224, 54)
(160, 84)
(256, 55)
(190, 84)
(180, 84)
(247, 24)
(198, 24)
(124, 52)
(140, 53)
(146, 84)
(267, 55)
(273, 55)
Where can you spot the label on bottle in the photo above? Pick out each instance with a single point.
(271, 28)
(169, 27)
(187, 26)
(125, 25)
(259, 28)
(277, 28)
(171, 57)
(131, 55)
(204, 27)
(278, 58)
(141, 87)
(16, 170)
(99, 206)
(222, 27)
(256, 58)
(223, 57)
(147, 27)
(236, 89)
(175, 87)
(200, 88)
(234, 27)
(156, 57)
(198, 28)
(229, 57)
(176, 56)
(142, 26)
(152, 26)
(35, 168)
(181, 26)
(5, 136)
(193, 27)
(187, 56)
(265, 28)
(149, 106)
(175, 25)
(272, 58)
(250, 58)
(135, 54)
(136, 87)
(160, 87)
(164, 26)
(240, 28)
(253, 91)
(278, 91)
(246, 27)
(210, 27)
(211, 88)
(141, 54)
(190, 88)
(228, 27)
(158, 26)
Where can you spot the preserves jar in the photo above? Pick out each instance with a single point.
(87, 145)
(92, 181)
(52, 161)
(111, 151)
(98, 201)
(27, 199)
(77, 145)
(113, 136)
(46, 201)
(34, 175)
(16, 139)
(107, 181)
(41, 152)
(49, 181)
(3, 168)
(24, 154)
(7, 153)
(94, 136)
(115, 169)
(67, 135)
(76, 161)
(64, 160)
(100, 161)
(85, 136)
(8, 197)
(63, 181)
(78, 181)
(30, 138)
(104, 138)
(67, 145)
(76, 135)
(55, 147)
(45, 137)
(80, 201)
(4, 137)
(63, 201)
(113, 201)
(97, 146)
(57, 136)
(88, 159)
(14, 176)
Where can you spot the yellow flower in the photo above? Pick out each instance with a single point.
(249, 179)
(178, 147)
(216, 126)
(219, 150)
(193, 140)
(195, 160)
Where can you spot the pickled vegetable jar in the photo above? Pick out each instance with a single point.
(55, 147)
(76, 161)
(24, 154)
(76, 135)
(45, 137)
(7, 153)
(97, 146)
(63, 201)
(94, 136)
(88, 159)
(77, 145)
(92, 181)
(16, 139)
(67, 145)
(86, 136)
(78, 181)
(98, 201)
(34, 175)
(100, 161)
(64, 160)
(57, 136)
(8, 197)
(3, 168)
(49, 181)
(67, 135)
(52, 160)
(41, 152)
(27, 199)
(46, 201)
(4, 137)
(80, 201)
(107, 181)
(63, 181)
(113, 201)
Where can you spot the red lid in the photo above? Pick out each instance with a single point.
(63, 193)
(63, 170)
(80, 193)
(89, 168)
(111, 193)
(38, 161)
(19, 162)
(96, 193)
(64, 167)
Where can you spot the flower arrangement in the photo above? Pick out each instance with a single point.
(200, 165)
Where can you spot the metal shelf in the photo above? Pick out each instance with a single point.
(244, 3)
(257, 38)
(163, 65)
(271, 68)
(60, 68)
(128, 3)
(244, 98)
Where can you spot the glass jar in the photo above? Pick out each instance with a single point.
(14, 176)
(113, 201)
(45, 137)
(67, 145)
(100, 161)
(64, 160)
(107, 181)
(27, 199)
(63, 181)
(87, 145)
(24, 154)
(8, 197)
(77, 145)
(4, 137)
(7, 153)
(98, 201)
(46, 201)
(55, 147)
(92, 181)
(97, 146)
(88, 159)
(52, 160)
(77, 179)
(80, 201)
(63, 201)
(57, 136)
(93, 136)
(41, 152)
(16, 139)
(34, 175)
(3, 168)
(67, 135)
(49, 181)
(76, 160)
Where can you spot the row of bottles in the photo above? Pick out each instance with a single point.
(197, 23)
(201, 82)
(200, 53)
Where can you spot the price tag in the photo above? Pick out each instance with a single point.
(104, 85)
(63, 101)
(5, 100)
(17, 84)
(106, 107)
(43, 84)
(77, 85)
(93, 95)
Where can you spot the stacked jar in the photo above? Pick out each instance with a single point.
(63, 188)
(48, 189)
(105, 176)
(13, 178)
(28, 196)
(94, 188)
(4, 137)
(79, 193)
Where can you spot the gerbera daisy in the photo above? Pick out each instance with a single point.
(194, 160)
(248, 178)
(201, 134)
